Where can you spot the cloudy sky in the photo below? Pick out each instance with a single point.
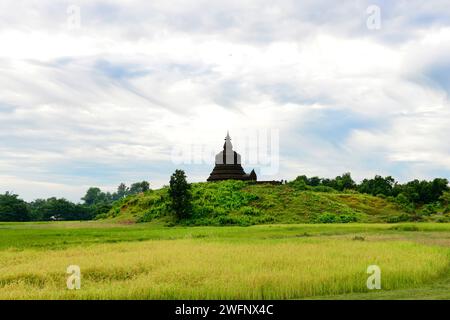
(94, 93)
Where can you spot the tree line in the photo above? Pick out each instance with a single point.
(429, 196)
(418, 192)
(94, 202)
(410, 195)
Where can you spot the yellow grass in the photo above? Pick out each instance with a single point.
(214, 269)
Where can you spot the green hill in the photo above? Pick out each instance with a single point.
(241, 203)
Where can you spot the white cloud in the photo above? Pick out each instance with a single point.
(109, 101)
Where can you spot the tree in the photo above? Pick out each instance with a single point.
(423, 192)
(61, 209)
(340, 183)
(378, 185)
(314, 181)
(139, 187)
(122, 191)
(180, 194)
(12, 208)
(438, 187)
(345, 182)
(145, 185)
(36, 208)
(94, 196)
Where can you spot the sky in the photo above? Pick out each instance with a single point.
(95, 93)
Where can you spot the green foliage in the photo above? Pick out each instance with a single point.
(224, 203)
(445, 200)
(340, 183)
(399, 218)
(328, 217)
(180, 195)
(159, 206)
(12, 208)
(100, 209)
(403, 202)
(139, 187)
(302, 200)
(416, 192)
(343, 182)
(429, 209)
(299, 184)
(377, 186)
(243, 203)
(62, 209)
(95, 196)
(406, 227)
(122, 191)
(322, 189)
(250, 211)
(423, 192)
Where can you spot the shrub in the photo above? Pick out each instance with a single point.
(346, 218)
(400, 218)
(298, 185)
(246, 210)
(323, 189)
(404, 203)
(429, 209)
(326, 218)
(155, 211)
(335, 218)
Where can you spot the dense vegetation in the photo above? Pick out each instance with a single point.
(95, 202)
(243, 203)
(303, 200)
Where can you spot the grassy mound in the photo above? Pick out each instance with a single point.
(241, 203)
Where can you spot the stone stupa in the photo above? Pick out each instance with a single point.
(228, 165)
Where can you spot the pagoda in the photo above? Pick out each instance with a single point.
(228, 165)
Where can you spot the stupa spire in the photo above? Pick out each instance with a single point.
(227, 146)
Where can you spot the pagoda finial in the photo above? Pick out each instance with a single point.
(228, 136)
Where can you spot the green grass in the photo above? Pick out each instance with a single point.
(291, 261)
(240, 203)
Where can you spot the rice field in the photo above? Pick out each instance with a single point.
(261, 262)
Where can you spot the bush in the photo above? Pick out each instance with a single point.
(323, 189)
(400, 218)
(346, 218)
(298, 185)
(429, 209)
(326, 218)
(154, 212)
(226, 220)
(250, 211)
(334, 218)
(404, 203)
